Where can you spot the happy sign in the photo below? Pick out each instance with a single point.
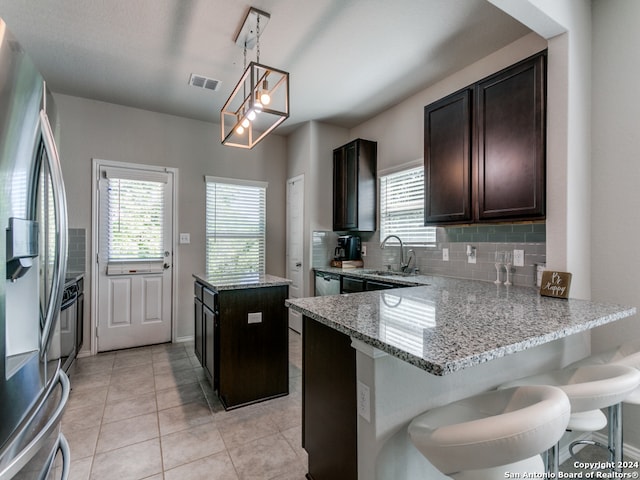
(555, 284)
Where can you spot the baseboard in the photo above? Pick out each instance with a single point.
(188, 338)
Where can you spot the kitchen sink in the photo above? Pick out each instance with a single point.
(390, 273)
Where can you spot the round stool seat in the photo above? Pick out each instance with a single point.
(589, 387)
(491, 429)
(626, 354)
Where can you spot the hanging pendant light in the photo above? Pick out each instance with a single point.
(260, 100)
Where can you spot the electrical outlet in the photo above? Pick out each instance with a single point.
(471, 254)
(364, 401)
(518, 258)
(363, 251)
(445, 254)
(185, 238)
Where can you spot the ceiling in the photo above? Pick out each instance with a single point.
(348, 59)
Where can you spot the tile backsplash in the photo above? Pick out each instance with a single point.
(487, 239)
(76, 262)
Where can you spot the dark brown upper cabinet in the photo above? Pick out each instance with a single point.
(485, 149)
(354, 186)
(447, 159)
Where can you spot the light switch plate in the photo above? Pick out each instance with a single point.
(445, 254)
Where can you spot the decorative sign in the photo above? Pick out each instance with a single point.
(555, 284)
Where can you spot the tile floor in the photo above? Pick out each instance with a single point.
(149, 413)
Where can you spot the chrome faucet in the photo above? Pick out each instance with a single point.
(383, 244)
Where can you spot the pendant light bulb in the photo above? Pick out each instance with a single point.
(239, 129)
(245, 123)
(265, 98)
(251, 115)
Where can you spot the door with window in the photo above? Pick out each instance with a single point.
(134, 281)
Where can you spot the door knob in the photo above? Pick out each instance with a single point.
(166, 265)
(298, 264)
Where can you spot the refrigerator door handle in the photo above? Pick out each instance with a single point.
(60, 205)
(34, 446)
(65, 451)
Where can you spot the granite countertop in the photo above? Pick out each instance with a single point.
(241, 281)
(452, 324)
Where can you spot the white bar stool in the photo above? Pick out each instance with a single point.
(626, 354)
(589, 389)
(485, 436)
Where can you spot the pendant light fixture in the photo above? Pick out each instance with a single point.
(260, 100)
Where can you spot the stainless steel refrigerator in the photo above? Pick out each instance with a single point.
(33, 214)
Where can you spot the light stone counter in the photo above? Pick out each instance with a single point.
(238, 282)
(451, 324)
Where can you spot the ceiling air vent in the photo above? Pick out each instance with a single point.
(204, 82)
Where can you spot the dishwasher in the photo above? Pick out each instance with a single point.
(327, 284)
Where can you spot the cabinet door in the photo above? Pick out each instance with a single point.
(447, 160)
(208, 361)
(345, 187)
(510, 108)
(197, 316)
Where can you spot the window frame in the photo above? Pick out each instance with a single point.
(260, 236)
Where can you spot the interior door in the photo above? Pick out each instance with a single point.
(135, 231)
(295, 245)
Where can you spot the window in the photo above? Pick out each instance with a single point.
(402, 207)
(134, 223)
(236, 225)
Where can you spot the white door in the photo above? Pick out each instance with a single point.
(295, 244)
(134, 279)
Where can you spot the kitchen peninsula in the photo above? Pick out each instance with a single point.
(241, 336)
(410, 349)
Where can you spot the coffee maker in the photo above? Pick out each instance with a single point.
(348, 248)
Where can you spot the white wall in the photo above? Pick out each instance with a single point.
(615, 202)
(91, 129)
(310, 152)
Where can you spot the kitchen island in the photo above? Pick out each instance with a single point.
(419, 347)
(241, 336)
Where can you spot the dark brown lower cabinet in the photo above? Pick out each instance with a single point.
(329, 415)
(253, 345)
(242, 336)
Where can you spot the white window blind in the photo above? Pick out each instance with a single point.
(236, 226)
(134, 222)
(402, 207)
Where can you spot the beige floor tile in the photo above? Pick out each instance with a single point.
(83, 417)
(218, 467)
(182, 417)
(171, 366)
(189, 445)
(86, 381)
(130, 407)
(93, 397)
(172, 397)
(82, 442)
(80, 469)
(131, 374)
(265, 458)
(127, 432)
(133, 462)
(122, 391)
(133, 360)
(293, 436)
(241, 426)
(175, 379)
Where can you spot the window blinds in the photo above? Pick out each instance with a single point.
(134, 222)
(402, 207)
(235, 227)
